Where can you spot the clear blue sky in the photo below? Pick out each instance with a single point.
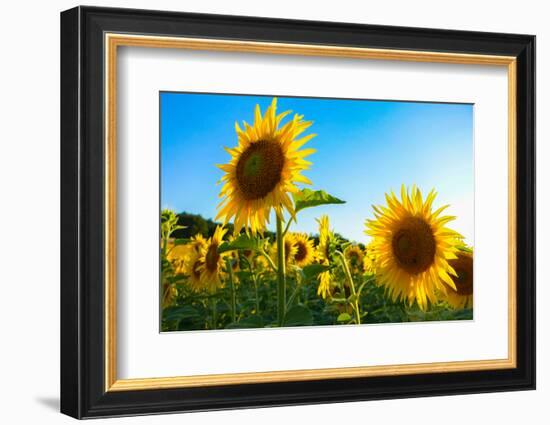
(364, 148)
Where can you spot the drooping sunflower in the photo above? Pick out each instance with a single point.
(260, 263)
(169, 295)
(305, 252)
(462, 296)
(179, 255)
(235, 259)
(212, 263)
(354, 256)
(176, 255)
(193, 269)
(413, 247)
(264, 168)
(323, 255)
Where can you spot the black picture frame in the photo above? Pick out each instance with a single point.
(83, 392)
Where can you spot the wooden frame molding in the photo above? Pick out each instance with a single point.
(114, 40)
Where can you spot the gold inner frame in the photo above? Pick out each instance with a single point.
(113, 41)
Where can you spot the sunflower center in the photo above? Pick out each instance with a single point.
(301, 252)
(212, 258)
(464, 266)
(259, 169)
(413, 245)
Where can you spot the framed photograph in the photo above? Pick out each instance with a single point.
(261, 212)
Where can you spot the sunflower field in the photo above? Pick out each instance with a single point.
(237, 274)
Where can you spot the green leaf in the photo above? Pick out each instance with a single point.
(307, 198)
(344, 317)
(243, 275)
(244, 241)
(339, 300)
(313, 270)
(180, 313)
(247, 322)
(298, 316)
(181, 241)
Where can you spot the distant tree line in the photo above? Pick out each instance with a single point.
(196, 223)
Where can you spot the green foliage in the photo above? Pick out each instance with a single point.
(248, 322)
(169, 224)
(344, 318)
(307, 198)
(298, 315)
(256, 290)
(194, 223)
(243, 242)
(313, 270)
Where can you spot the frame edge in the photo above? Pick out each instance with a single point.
(70, 349)
(80, 397)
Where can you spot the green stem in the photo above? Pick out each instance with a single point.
(269, 260)
(281, 284)
(255, 281)
(369, 280)
(352, 285)
(214, 313)
(161, 287)
(287, 226)
(293, 296)
(233, 295)
(257, 296)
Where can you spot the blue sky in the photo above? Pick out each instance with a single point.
(364, 149)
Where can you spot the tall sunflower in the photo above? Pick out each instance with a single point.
(413, 247)
(462, 296)
(305, 252)
(326, 236)
(211, 262)
(354, 257)
(264, 168)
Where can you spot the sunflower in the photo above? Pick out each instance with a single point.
(369, 264)
(179, 255)
(169, 296)
(193, 268)
(260, 263)
(326, 236)
(462, 296)
(369, 260)
(235, 259)
(305, 253)
(412, 247)
(290, 250)
(354, 256)
(176, 255)
(211, 262)
(264, 168)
